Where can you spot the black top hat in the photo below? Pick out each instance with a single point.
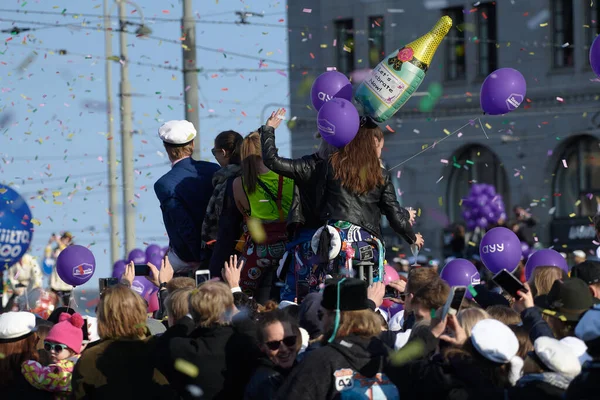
(588, 271)
(353, 295)
(567, 300)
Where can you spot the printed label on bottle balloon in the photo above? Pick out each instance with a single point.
(514, 101)
(492, 248)
(385, 84)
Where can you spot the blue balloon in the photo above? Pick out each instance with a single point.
(47, 266)
(16, 229)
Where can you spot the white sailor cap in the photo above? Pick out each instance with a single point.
(177, 132)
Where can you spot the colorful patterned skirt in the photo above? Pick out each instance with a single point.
(307, 275)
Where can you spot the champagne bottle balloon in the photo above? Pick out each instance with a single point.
(398, 76)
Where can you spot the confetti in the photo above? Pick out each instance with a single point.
(186, 367)
(307, 10)
(256, 230)
(564, 162)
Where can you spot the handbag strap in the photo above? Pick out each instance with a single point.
(272, 196)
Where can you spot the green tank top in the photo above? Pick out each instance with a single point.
(262, 205)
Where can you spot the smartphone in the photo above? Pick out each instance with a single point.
(84, 328)
(142, 270)
(202, 275)
(391, 293)
(509, 283)
(104, 283)
(455, 298)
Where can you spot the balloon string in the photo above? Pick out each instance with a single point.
(471, 122)
(72, 300)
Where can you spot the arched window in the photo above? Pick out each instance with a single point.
(577, 178)
(474, 164)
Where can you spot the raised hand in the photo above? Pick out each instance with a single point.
(276, 117)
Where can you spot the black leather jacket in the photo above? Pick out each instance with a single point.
(307, 191)
(333, 201)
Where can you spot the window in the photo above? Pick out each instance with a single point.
(474, 164)
(486, 39)
(562, 33)
(592, 23)
(376, 43)
(577, 179)
(344, 31)
(455, 45)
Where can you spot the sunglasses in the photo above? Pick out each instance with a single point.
(289, 341)
(56, 347)
(216, 151)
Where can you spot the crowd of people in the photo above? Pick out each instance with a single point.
(293, 308)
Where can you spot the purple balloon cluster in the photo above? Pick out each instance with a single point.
(153, 254)
(483, 207)
(338, 120)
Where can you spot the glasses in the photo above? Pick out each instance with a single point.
(289, 341)
(216, 151)
(56, 347)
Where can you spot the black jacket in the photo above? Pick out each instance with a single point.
(308, 190)
(351, 365)
(585, 385)
(265, 382)
(20, 389)
(337, 203)
(223, 357)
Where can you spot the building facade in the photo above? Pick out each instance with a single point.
(544, 156)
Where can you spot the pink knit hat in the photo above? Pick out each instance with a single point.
(68, 331)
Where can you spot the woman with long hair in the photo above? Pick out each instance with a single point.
(357, 190)
(303, 219)
(280, 340)
(222, 224)
(264, 198)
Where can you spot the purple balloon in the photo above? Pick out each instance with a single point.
(502, 91)
(525, 251)
(152, 249)
(330, 85)
(155, 259)
(75, 265)
(461, 272)
(137, 256)
(500, 249)
(595, 56)
(338, 122)
(545, 258)
(141, 285)
(119, 269)
(164, 251)
(471, 225)
(394, 309)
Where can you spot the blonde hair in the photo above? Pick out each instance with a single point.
(211, 304)
(361, 323)
(469, 317)
(177, 152)
(504, 314)
(121, 314)
(250, 155)
(542, 279)
(178, 303)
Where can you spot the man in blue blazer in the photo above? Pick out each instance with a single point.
(184, 193)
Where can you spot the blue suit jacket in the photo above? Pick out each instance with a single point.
(184, 193)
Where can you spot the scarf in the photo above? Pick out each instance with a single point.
(210, 226)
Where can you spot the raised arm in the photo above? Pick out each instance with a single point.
(298, 169)
(398, 217)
